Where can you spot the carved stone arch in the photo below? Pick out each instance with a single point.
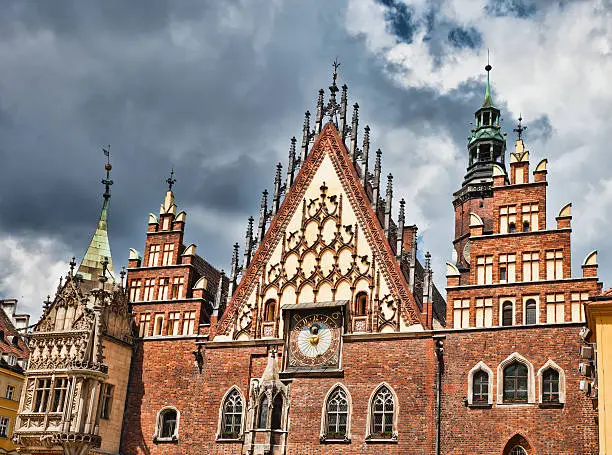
(480, 366)
(516, 441)
(288, 297)
(330, 391)
(531, 386)
(221, 411)
(307, 296)
(551, 364)
(324, 297)
(396, 413)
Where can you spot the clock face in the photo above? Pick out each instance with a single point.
(314, 339)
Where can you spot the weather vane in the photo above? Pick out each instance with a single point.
(520, 128)
(171, 180)
(107, 182)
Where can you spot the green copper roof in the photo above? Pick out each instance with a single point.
(487, 133)
(488, 101)
(98, 249)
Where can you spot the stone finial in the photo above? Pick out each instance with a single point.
(343, 105)
(354, 127)
(219, 294)
(376, 182)
(263, 216)
(427, 280)
(319, 117)
(401, 221)
(291, 165)
(388, 205)
(277, 189)
(365, 155)
(234, 270)
(248, 244)
(305, 138)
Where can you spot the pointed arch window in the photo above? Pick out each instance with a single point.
(361, 304)
(480, 388)
(270, 311)
(550, 386)
(231, 417)
(277, 413)
(518, 450)
(337, 414)
(263, 413)
(167, 425)
(382, 415)
(516, 383)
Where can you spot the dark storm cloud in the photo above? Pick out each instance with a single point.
(539, 129)
(460, 37)
(400, 21)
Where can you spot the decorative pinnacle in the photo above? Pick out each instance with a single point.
(427, 260)
(171, 180)
(72, 266)
(520, 128)
(488, 101)
(122, 275)
(107, 182)
(47, 303)
(402, 209)
(336, 65)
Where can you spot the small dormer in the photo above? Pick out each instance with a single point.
(135, 258)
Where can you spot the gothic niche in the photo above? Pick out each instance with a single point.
(322, 261)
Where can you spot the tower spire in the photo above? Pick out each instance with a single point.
(365, 155)
(171, 180)
(234, 271)
(290, 166)
(488, 101)
(99, 248)
(277, 189)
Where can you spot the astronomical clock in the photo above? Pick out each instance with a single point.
(314, 338)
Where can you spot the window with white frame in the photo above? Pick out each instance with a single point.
(177, 287)
(167, 425)
(507, 268)
(135, 290)
(480, 385)
(106, 400)
(174, 319)
(144, 325)
(530, 217)
(507, 219)
(11, 360)
(484, 312)
(484, 270)
(552, 384)
(41, 395)
(189, 323)
(231, 416)
(60, 391)
(10, 392)
(531, 266)
(158, 325)
(149, 286)
(554, 265)
(163, 289)
(168, 254)
(336, 414)
(555, 308)
(461, 313)
(578, 299)
(531, 312)
(4, 426)
(507, 312)
(382, 414)
(153, 255)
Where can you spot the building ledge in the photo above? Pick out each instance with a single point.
(521, 283)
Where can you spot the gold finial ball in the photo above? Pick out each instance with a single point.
(108, 166)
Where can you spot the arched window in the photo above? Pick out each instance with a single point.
(382, 413)
(231, 426)
(550, 386)
(515, 383)
(337, 415)
(507, 313)
(167, 425)
(361, 304)
(480, 388)
(518, 450)
(531, 315)
(263, 412)
(270, 311)
(277, 413)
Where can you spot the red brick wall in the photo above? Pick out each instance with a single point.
(571, 430)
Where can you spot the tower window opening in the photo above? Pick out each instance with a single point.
(485, 118)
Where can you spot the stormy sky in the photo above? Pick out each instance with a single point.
(217, 89)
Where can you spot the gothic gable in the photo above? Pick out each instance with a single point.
(325, 244)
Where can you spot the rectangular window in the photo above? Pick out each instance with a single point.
(578, 299)
(507, 268)
(149, 286)
(158, 326)
(106, 400)
(554, 265)
(135, 288)
(60, 390)
(531, 266)
(484, 312)
(189, 323)
(177, 287)
(484, 270)
(173, 323)
(555, 308)
(4, 427)
(143, 327)
(530, 217)
(164, 287)
(153, 255)
(461, 313)
(168, 254)
(507, 219)
(41, 397)
(10, 392)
